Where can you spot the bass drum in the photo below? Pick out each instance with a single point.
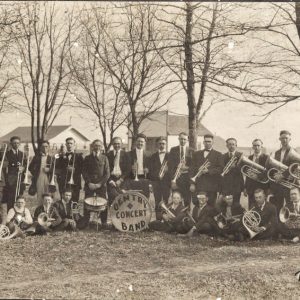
(130, 212)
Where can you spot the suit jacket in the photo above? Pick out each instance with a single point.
(236, 209)
(53, 214)
(95, 169)
(179, 213)
(155, 166)
(211, 181)
(174, 159)
(233, 181)
(64, 214)
(35, 166)
(250, 184)
(123, 163)
(286, 159)
(131, 158)
(204, 215)
(61, 166)
(13, 163)
(269, 217)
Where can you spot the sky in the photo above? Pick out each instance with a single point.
(225, 120)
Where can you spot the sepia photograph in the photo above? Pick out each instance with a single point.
(149, 150)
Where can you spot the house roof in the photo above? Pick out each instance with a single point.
(25, 133)
(177, 124)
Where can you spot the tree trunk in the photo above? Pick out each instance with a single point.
(190, 85)
(297, 9)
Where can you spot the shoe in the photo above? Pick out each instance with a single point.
(295, 239)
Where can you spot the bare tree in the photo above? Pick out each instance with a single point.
(201, 55)
(42, 75)
(94, 88)
(124, 46)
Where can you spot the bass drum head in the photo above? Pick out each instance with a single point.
(130, 212)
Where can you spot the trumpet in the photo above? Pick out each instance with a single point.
(2, 161)
(251, 220)
(163, 170)
(285, 214)
(276, 167)
(178, 170)
(231, 163)
(253, 170)
(204, 166)
(52, 182)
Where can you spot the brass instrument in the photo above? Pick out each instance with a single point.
(285, 214)
(204, 166)
(71, 181)
(45, 217)
(52, 182)
(136, 170)
(294, 167)
(2, 161)
(178, 170)
(6, 235)
(26, 182)
(222, 221)
(167, 211)
(231, 163)
(19, 178)
(253, 170)
(74, 209)
(276, 167)
(251, 220)
(162, 170)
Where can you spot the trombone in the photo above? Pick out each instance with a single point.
(136, 170)
(204, 166)
(26, 182)
(71, 180)
(52, 184)
(231, 163)
(19, 178)
(2, 161)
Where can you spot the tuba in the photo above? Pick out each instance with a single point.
(253, 170)
(294, 170)
(251, 220)
(204, 166)
(231, 163)
(276, 167)
(2, 161)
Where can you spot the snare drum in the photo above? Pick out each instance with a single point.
(95, 204)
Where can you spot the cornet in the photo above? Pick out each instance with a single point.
(2, 161)
(162, 170)
(178, 170)
(231, 163)
(204, 166)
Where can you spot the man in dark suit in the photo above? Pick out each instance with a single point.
(232, 181)
(269, 218)
(95, 173)
(118, 169)
(250, 184)
(64, 209)
(210, 179)
(181, 153)
(16, 164)
(280, 192)
(66, 168)
(203, 214)
(158, 173)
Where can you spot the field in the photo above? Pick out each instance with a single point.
(147, 265)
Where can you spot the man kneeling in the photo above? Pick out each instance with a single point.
(64, 209)
(46, 216)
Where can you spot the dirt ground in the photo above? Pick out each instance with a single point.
(147, 265)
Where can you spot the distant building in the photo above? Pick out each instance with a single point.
(56, 136)
(161, 123)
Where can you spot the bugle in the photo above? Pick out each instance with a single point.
(203, 167)
(2, 161)
(253, 170)
(231, 163)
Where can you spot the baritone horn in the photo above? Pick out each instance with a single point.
(285, 214)
(204, 166)
(294, 170)
(253, 170)
(251, 220)
(231, 163)
(44, 218)
(2, 161)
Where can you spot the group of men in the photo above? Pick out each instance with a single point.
(198, 177)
